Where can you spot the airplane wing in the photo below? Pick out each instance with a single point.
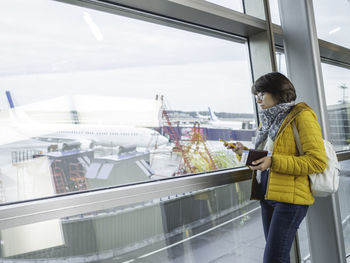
(64, 143)
(55, 139)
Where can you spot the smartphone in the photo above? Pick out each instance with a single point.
(233, 145)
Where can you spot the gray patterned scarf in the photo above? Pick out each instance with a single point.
(271, 120)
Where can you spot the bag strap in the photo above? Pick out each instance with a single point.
(297, 139)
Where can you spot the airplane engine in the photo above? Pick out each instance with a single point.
(52, 148)
(71, 145)
(127, 148)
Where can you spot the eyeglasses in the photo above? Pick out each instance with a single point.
(259, 96)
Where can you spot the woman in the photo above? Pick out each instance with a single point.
(280, 181)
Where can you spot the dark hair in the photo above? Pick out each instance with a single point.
(277, 84)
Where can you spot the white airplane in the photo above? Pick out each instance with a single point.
(79, 135)
(215, 122)
(88, 136)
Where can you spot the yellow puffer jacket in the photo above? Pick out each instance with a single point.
(288, 180)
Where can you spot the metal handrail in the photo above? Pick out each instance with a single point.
(31, 211)
(71, 204)
(53, 207)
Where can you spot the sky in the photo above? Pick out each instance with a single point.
(128, 57)
(49, 49)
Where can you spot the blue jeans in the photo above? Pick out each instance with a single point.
(281, 222)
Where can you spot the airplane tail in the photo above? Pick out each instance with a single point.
(16, 114)
(9, 99)
(212, 115)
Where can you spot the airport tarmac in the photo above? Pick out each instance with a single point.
(15, 180)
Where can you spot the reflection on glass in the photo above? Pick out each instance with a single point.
(110, 100)
(332, 21)
(281, 63)
(304, 243)
(275, 15)
(336, 85)
(31, 238)
(186, 228)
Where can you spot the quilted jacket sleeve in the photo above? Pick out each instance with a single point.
(314, 159)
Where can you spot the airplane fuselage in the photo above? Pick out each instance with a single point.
(110, 136)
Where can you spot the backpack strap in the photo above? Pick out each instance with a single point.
(297, 139)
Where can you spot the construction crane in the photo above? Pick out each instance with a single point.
(178, 147)
(197, 145)
(194, 147)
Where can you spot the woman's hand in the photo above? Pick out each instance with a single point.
(238, 149)
(262, 164)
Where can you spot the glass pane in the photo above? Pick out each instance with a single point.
(304, 243)
(344, 202)
(214, 225)
(281, 63)
(232, 4)
(97, 99)
(336, 84)
(332, 21)
(275, 14)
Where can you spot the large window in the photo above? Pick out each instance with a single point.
(336, 86)
(332, 21)
(98, 99)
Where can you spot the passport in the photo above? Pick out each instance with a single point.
(249, 156)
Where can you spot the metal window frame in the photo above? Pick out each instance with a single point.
(206, 16)
(186, 14)
(330, 53)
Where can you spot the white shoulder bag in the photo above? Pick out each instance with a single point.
(325, 183)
